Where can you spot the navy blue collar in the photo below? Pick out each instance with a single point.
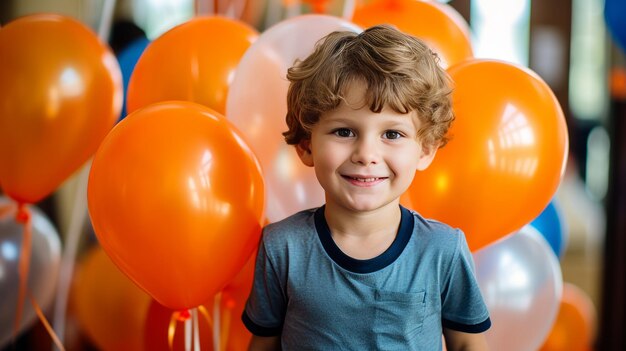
(370, 265)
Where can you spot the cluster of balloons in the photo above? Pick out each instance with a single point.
(179, 189)
(201, 181)
(54, 112)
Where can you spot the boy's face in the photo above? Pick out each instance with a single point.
(364, 160)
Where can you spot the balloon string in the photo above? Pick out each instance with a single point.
(294, 9)
(204, 7)
(72, 238)
(106, 20)
(204, 313)
(237, 8)
(44, 321)
(216, 321)
(184, 316)
(273, 12)
(23, 216)
(5, 211)
(348, 9)
(196, 332)
(225, 328)
(171, 330)
(188, 330)
(177, 316)
(230, 8)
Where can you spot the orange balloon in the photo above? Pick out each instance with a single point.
(506, 158)
(231, 304)
(195, 61)
(110, 308)
(176, 199)
(60, 93)
(574, 328)
(439, 25)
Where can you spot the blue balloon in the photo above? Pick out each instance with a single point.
(615, 17)
(128, 59)
(551, 224)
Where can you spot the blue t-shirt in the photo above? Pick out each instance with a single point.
(317, 298)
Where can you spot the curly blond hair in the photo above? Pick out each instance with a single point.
(399, 70)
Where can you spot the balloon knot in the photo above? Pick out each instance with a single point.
(183, 315)
(231, 303)
(23, 214)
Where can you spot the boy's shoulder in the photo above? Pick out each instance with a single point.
(432, 224)
(434, 231)
(294, 226)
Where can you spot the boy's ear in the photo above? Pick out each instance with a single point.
(303, 148)
(427, 155)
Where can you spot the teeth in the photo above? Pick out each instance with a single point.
(365, 180)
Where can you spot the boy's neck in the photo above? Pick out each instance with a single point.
(363, 235)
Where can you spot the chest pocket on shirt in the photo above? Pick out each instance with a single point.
(399, 317)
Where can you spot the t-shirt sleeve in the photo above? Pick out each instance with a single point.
(265, 309)
(463, 307)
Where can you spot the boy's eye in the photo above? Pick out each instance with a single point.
(343, 132)
(392, 134)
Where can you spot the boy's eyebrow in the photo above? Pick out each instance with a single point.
(337, 119)
(394, 121)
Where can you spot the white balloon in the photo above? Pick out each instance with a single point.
(521, 282)
(257, 105)
(43, 271)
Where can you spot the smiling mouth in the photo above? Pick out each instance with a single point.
(364, 180)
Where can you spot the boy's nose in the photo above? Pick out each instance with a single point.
(365, 152)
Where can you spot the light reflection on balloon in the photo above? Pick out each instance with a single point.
(8, 252)
(514, 135)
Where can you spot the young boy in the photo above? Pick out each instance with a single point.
(362, 272)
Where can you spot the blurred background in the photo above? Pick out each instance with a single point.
(573, 45)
